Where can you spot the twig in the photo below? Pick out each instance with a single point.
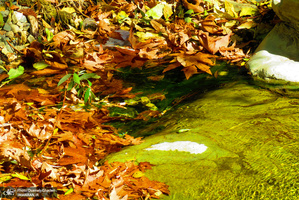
(13, 47)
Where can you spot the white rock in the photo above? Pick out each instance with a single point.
(18, 17)
(276, 60)
(271, 66)
(187, 146)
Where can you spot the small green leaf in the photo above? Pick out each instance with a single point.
(63, 79)
(1, 20)
(70, 85)
(14, 73)
(69, 191)
(189, 12)
(88, 76)
(49, 34)
(89, 83)
(86, 95)
(40, 65)
(188, 19)
(20, 176)
(76, 78)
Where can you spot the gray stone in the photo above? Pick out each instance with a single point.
(7, 27)
(5, 13)
(275, 63)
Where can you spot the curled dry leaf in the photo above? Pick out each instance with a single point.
(197, 7)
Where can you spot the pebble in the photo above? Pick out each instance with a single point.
(17, 30)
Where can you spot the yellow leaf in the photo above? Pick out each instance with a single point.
(138, 174)
(247, 25)
(248, 11)
(229, 8)
(69, 10)
(167, 11)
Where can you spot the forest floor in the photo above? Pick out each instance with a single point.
(69, 68)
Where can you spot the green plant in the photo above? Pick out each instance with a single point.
(12, 74)
(77, 81)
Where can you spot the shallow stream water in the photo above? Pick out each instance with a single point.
(252, 139)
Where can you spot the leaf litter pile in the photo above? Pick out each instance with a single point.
(57, 93)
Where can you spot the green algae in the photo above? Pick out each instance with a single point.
(252, 139)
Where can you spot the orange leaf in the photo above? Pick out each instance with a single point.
(132, 39)
(213, 44)
(46, 71)
(189, 71)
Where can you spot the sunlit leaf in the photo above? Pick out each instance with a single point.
(156, 12)
(248, 11)
(76, 78)
(40, 65)
(20, 176)
(121, 16)
(143, 36)
(49, 34)
(5, 177)
(69, 10)
(69, 191)
(167, 11)
(229, 8)
(14, 73)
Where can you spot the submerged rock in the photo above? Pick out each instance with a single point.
(275, 63)
(237, 142)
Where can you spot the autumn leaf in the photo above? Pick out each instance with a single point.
(209, 25)
(212, 44)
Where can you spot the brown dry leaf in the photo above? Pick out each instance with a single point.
(209, 25)
(72, 156)
(95, 61)
(132, 39)
(172, 66)
(197, 7)
(14, 89)
(55, 60)
(189, 71)
(28, 11)
(42, 133)
(62, 38)
(212, 44)
(131, 140)
(157, 26)
(46, 71)
(232, 54)
(13, 150)
(200, 60)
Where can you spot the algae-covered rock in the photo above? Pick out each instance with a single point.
(242, 143)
